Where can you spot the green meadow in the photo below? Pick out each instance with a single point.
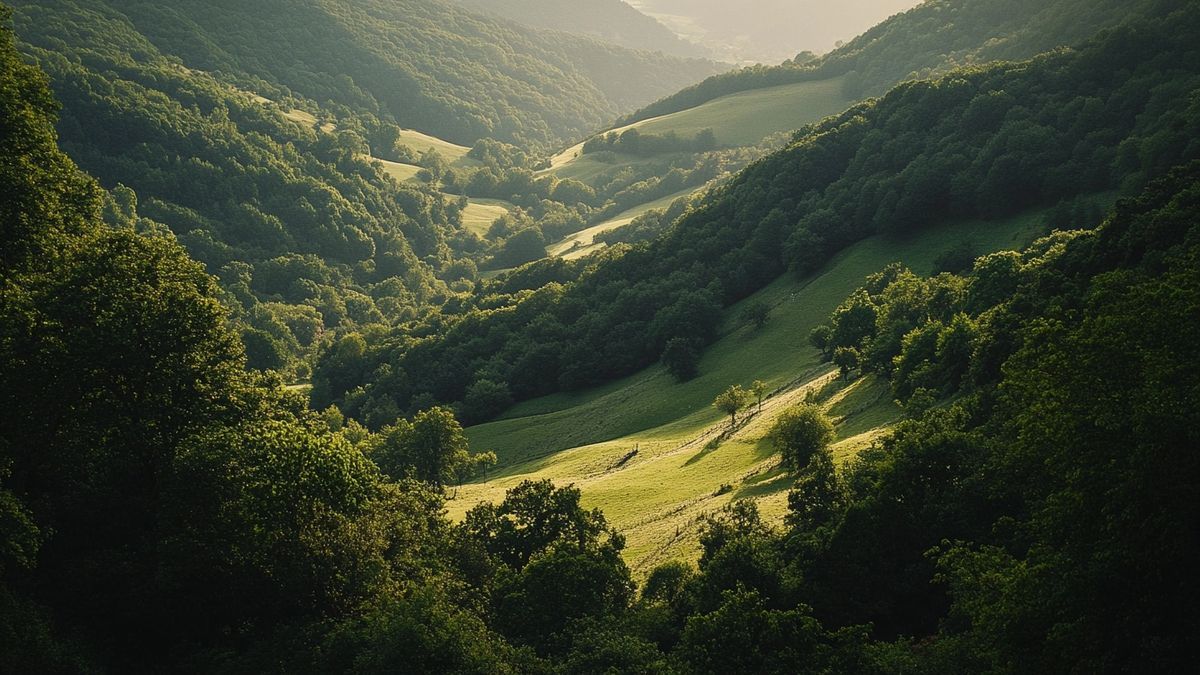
(741, 119)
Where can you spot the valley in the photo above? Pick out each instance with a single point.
(655, 498)
(548, 337)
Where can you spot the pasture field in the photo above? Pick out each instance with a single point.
(421, 143)
(481, 213)
(401, 172)
(688, 463)
(747, 117)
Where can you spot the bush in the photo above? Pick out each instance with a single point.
(800, 433)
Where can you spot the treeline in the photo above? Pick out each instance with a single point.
(552, 208)
(934, 37)
(426, 64)
(1049, 392)
(162, 508)
(982, 142)
(634, 142)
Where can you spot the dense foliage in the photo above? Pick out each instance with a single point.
(981, 142)
(608, 20)
(306, 235)
(425, 64)
(934, 37)
(163, 509)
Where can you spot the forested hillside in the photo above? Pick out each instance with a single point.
(981, 142)
(932, 38)
(262, 166)
(306, 235)
(608, 20)
(424, 64)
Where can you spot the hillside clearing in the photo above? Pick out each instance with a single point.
(481, 213)
(656, 497)
(583, 242)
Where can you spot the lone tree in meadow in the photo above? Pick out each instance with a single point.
(800, 433)
(759, 388)
(681, 356)
(757, 314)
(731, 401)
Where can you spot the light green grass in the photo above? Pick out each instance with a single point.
(746, 118)
(588, 169)
(403, 173)
(481, 213)
(422, 143)
(583, 242)
(741, 119)
(575, 438)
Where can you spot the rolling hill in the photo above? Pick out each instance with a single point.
(742, 108)
(420, 64)
(742, 119)
(769, 31)
(611, 21)
(955, 463)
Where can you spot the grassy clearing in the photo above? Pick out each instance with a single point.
(581, 243)
(588, 169)
(421, 143)
(403, 173)
(683, 457)
(481, 213)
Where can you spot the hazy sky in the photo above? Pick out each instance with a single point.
(770, 30)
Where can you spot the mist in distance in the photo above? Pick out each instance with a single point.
(769, 31)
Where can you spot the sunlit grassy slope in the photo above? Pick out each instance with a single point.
(741, 119)
(481, 213)
(582, 243)
(422, 143)
(684, 459)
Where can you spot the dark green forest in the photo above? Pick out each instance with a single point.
(981, 142)
(167, 504)
(928, 40)
(608, 20)
(426, 64)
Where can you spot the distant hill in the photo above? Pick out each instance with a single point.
(612, 21)
(932, 38)
(426, 64)
(770, 31)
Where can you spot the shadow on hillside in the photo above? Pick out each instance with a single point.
(710, 447)
(766, 483)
